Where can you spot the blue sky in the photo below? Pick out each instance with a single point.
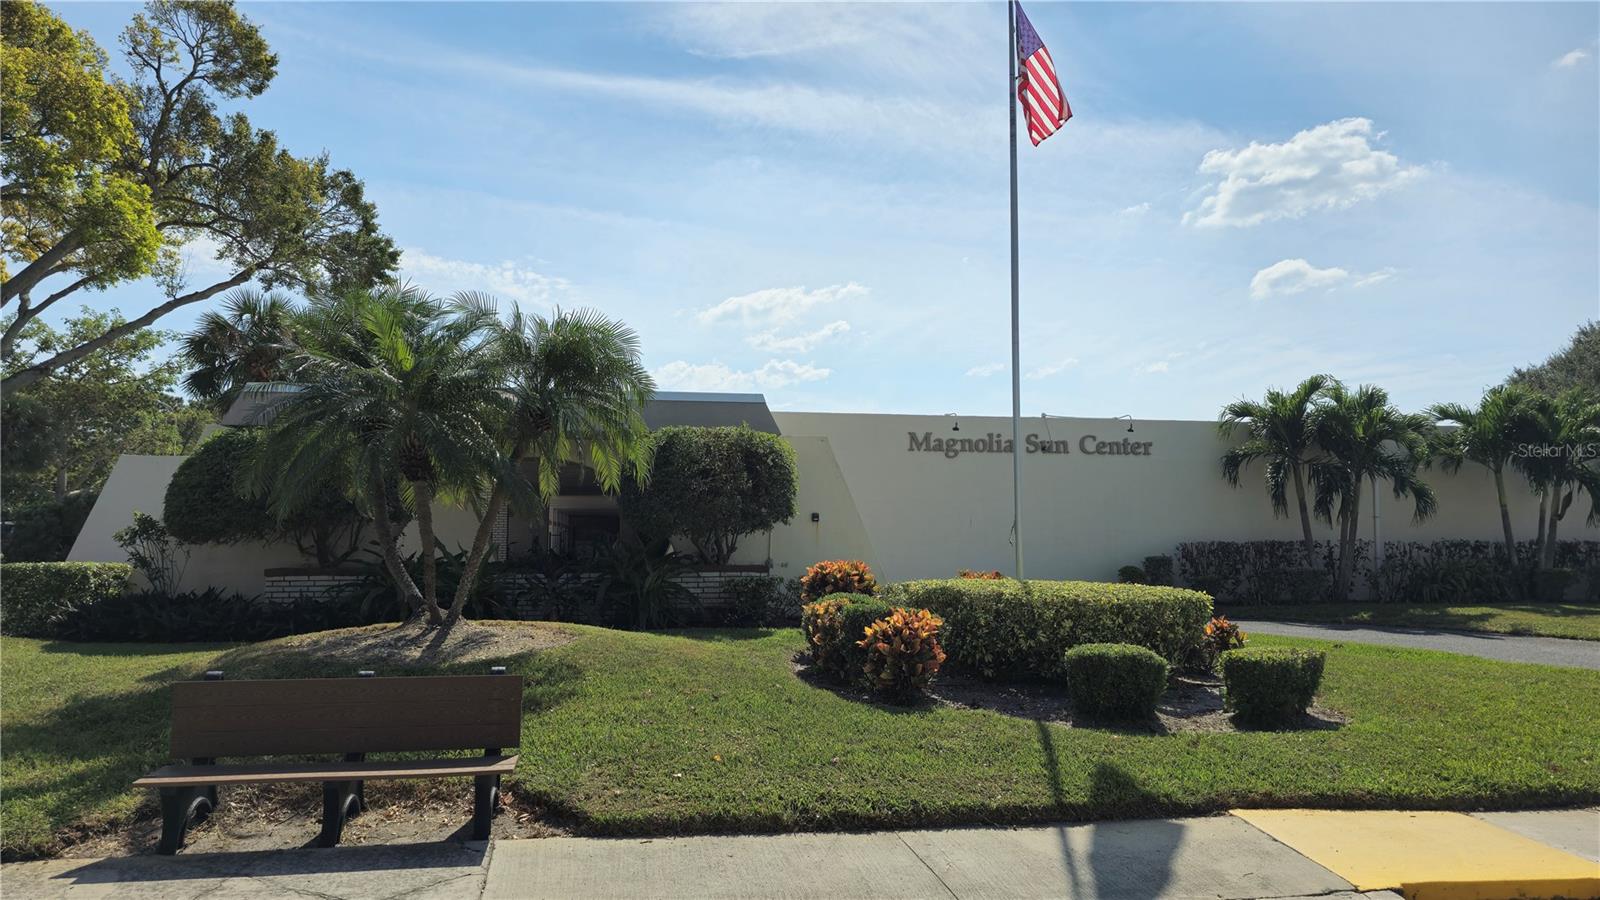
(810, 200)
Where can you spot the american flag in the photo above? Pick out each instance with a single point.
(1043, 102)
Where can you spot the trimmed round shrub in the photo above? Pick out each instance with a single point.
(40, 598)
(1158, 570)
(903, 653)
(837, 576)
(1114, 681)
(204, 503)
(1010, 628)
(1270, 685)
(713, 486)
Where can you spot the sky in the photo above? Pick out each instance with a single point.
(810, 200)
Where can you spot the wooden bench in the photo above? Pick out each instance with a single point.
(350, 717)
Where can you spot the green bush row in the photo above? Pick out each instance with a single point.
(36, 597)
(1010, 628)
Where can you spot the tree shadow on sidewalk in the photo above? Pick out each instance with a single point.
(1110, 859)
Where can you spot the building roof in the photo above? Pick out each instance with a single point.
(255, 403)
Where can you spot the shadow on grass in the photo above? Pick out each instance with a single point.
(722, 635)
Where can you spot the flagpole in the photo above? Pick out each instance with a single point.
(1016, 353)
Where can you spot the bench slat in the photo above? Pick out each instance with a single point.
(308, 716)
(263, 773)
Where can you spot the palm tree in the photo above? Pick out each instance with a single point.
(1279, 431)
(1363, 437)
(396, 389)
(1489, 436)
(250, 340)
(1564, 430)
(575, 391)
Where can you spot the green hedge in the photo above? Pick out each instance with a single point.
(1270, 685)
(1013, 628)
(34, 597)
(1114, 681)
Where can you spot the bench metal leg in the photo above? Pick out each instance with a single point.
(485, 797)
(178, 805)
(341, 800)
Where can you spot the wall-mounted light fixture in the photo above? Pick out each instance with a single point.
(957, 425)
(1130, 422)
(816, 517)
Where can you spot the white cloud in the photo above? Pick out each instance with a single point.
(503, 279)
(1570, 59)
(1155, 368)
(1055, 368)
(776, 306)
(985, 370)
(1377, 277)
(1292, 276)
(1138, 209)
(775, 373)
(800, 343)
(1331, 166)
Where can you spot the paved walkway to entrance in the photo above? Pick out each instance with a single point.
(1284, 855)
(1504, 647)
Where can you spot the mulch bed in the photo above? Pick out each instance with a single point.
(1192, 703)
(288, 816)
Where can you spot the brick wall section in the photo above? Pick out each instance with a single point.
(286, 585)
(707, 585)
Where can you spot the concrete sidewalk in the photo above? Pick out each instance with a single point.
(1214, 857)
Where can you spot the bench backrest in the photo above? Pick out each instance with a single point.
(345, 715)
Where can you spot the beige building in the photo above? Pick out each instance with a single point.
(923, 496)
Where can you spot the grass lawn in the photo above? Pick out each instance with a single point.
(1565, 620)
(654, 733)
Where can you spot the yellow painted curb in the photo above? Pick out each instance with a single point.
(1429, 855)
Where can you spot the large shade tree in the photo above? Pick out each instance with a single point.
(1575, 366)
(1278, 433)
(1364, 439)
(64, 433)
(109, 181)
(1488, 435)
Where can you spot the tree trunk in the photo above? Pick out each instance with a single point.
(30, 275)
(61, 483)
(389, 542)
(1538, 544)
(1347, 552)
(1305, 515)
(1505, 518)
(1557, 509)
(423, 492)
(475, 557)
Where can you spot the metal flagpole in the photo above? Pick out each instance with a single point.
(1016, 353)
